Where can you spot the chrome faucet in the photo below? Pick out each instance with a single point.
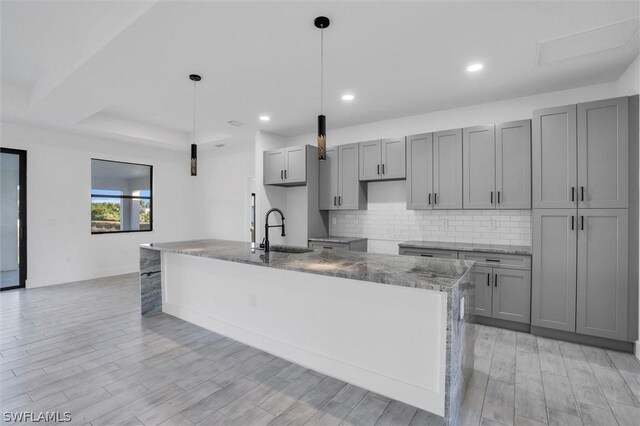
(267, 226)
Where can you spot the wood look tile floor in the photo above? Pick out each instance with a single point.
(83, 348)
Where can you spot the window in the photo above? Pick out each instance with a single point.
(121, 197)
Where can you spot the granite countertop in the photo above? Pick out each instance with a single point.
(334, 239)
(486, 248)
(407, 271)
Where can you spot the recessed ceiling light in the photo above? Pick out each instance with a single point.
(348, 97)
(475, 67)
(265, 118)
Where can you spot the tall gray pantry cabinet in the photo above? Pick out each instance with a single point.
(582, 272)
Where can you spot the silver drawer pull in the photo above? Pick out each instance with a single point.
(426, 255)
(492, 260)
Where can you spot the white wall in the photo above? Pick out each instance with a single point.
(221, 193)
(59, 241)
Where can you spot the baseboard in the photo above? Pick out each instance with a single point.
(615, 345)
(510, 325)
(35, 282)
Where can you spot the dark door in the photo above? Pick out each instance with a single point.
(13, 193)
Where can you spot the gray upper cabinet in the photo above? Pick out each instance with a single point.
(419, 171)
(554, 157)
(394, 158)
(370, 160)
(479, 160)
(553, 291)
(483, 293)
(447, 170)
(383, 159)
(273, 167)
(351, 192)
(513, 165)
(511, 295)
(602, 287)
(603, 147)
(295, 168)
(339, 186)
(285, 166)
(328, 180)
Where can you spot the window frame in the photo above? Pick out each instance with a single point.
(130, 197)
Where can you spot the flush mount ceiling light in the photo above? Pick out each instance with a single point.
(194, 148)
(348, 97)
(475, 67)
(265, 118)
(322, 22)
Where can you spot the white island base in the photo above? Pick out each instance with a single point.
(388, 339)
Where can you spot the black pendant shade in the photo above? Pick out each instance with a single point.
(322, 137)
(194, 159)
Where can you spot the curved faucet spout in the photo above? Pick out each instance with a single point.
(267, 226)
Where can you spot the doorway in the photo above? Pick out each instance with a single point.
(13, 218)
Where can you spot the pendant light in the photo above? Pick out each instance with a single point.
(194, 148)
(322, 22)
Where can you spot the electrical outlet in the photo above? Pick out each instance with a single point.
(462, 308)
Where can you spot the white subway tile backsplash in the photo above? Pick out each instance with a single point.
(476, 226)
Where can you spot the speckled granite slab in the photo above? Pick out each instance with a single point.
(406, 271)
(487, 248)
(334, 239)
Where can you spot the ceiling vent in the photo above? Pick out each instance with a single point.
(235, 123)
(588, 42)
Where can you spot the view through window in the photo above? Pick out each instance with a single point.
(121, 198)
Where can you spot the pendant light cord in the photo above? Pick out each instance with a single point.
(321, 70)
(194, 113)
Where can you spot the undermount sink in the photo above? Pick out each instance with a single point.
(290, 249)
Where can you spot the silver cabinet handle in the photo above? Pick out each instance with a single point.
(334, 201)
(378, 168)
(429, 198)
(573, 219)
(573, 193)
(498, 197)
(495, 281)
(491, 197)
(435, 198)
(488, 280)
(383, 168)
(582, 223)
(339, 200)
(582, 193)
(281, 174)
(285, 174)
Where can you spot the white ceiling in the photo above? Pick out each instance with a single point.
(120, 68)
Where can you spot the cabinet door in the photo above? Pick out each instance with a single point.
(370, 160)
(273, 165)
(350, 190)
(479, 162)
(295, 164)
(512, 295)
(447, 169)
(328, 185)
(602, 273)
(603, 150)
(553, 291)
(419, 171)
(513, 165)
(394, 159)
(554, 158)
(483, 294)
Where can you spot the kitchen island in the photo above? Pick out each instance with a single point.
(399, 326)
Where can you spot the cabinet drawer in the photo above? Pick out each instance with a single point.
(328, 246)
(443, 254)
(498, 260)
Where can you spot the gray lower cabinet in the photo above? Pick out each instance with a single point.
(383, 159)
(511, 295)
(603, 148)
(580, 271)
(553, 273)
(602, 282)
(482, 301)
(339, 186)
